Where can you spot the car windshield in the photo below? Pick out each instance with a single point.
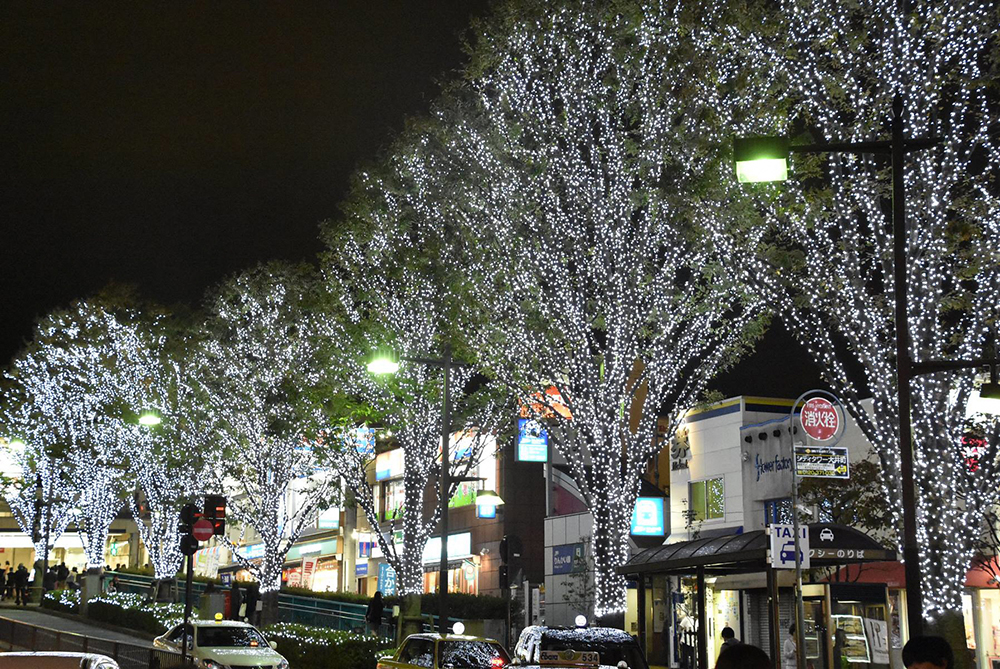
(230, 637)
(473, 655)
(611, 652)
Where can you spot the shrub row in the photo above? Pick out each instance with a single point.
(317, 648)
(67, 601)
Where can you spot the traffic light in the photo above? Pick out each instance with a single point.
(510, 556)
(215, 511)
(189, 514)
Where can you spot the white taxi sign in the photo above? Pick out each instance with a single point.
(576, 658)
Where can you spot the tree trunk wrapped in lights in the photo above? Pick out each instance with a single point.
(834, 70)
(264, 378)
(586, 216)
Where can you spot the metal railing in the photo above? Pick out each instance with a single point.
(24, 636)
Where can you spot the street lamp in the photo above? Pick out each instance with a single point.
(757, 160)
(386, 362)
(150, 418)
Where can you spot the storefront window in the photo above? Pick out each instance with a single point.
(327, 576)
(708, 499)
(393, 494)
(464, 578)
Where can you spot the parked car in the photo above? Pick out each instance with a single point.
(55, 660)
(223, 644)
(447, 651)
(539, 645)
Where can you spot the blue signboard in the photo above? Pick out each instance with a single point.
(361, 569)
(647, 517)
(568, 558)
(364, 441)
(251, 552)
(386, 580)
(532, 441)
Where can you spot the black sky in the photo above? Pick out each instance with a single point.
(171, 144)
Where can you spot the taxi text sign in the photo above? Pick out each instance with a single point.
(783, 546)
(820, 419)
(822, 462)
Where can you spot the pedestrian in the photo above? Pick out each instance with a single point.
(71, 580)
(9, 592)
(742, 656)
(840, 660)
(788, 650)
(253, 596)
(235, 602)
(373, 616)
(49, 580)
(21, 585)
(114, 584)
(928, 652)
(729, 638)
(62, 573)
(3, 583)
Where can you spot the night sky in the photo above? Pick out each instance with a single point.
(170, 145)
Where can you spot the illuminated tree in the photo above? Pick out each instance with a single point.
(832, 70)
(264, 374)
(593, 263)
(396, 287)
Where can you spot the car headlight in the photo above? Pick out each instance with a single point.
(212, 664)
(283, 664)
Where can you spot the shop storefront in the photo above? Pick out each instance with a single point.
(314, 565)
(704, 585)
(463, 566)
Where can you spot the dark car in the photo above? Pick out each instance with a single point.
(576, 647)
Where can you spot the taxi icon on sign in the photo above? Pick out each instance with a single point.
(826, 534)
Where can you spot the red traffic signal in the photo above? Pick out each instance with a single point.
(215, 511)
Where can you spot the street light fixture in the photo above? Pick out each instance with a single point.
(488, 498)
(384, 362)
(748, 151)
(150, 418)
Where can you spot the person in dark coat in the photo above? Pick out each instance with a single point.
(235, 600)
(253, 596)
(21, 585)
(62, 573)
(3, 583)
(373, 616)
(49, 579)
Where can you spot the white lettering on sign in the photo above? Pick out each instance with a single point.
(783, 546)
(819, 419)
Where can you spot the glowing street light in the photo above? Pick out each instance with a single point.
(761, 159)
(149, 418)
(384, 362)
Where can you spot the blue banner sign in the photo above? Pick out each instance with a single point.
(568, 558)
(386, 579)
(361, 569)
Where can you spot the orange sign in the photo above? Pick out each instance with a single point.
(548, 406)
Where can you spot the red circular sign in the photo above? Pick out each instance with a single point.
(820, 419)
(203, 530)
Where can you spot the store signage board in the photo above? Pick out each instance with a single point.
(532, 441)
(647, 517)
(389, 464)
(361, 569)
(783, 546)
(822, 462)
(386, 580)
(459, 546)
(568, 559)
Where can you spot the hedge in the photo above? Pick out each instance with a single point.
(460, 605)
(67, 601)
(131, 611)
(317, 648)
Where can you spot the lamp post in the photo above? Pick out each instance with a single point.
(385, 362)
(761, 159)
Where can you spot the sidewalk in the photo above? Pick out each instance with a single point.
(33, 615)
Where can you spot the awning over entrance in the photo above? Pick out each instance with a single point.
(829, 545)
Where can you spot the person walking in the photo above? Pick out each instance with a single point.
(729, 638)
(62, 573)
(253, 596)
(373, 616)
(235, 601)
(3, 583)
(21, 585)
(49, 580)
(72, 581)
(788, 650)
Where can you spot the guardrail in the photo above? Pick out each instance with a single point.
(25, 636)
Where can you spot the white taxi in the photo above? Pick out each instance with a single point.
(223, 644)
